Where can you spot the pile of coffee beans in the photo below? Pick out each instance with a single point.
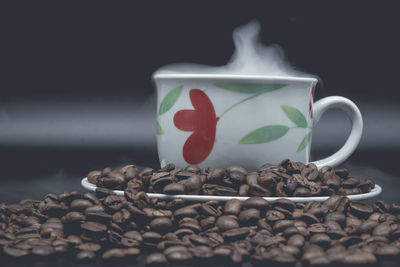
(114, 228)
(288, 179)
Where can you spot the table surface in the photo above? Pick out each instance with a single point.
(34, 172)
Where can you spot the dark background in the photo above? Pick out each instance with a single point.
(76, 91)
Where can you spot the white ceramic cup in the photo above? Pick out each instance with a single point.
(222, 120)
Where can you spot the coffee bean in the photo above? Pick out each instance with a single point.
(282, 225)
(113, 254)
(94, 247)
(193, 184)
(320, 239)
(382, 230)
(359, 258)
(237, 177)
(113, 202)
(274, 215)
(15, 252)
(225, 191)
(235, 234)
(233, 207)
(156, 259)
(73, 216)
(161, 224)
(174, 189)
(249, 216)
(367, 226)
(86, 256)
(151, 237)
(208, 222)
(94, 229)
(74, 240)
(360, 209)
(257, 190)
(302, 192)
(216, 175)
(43, 251)
(202, 252)
(227, 222)
(179, 257)
(387, 251)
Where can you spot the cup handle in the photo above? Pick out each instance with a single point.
(353, 140)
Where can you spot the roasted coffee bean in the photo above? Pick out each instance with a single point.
(383, 229)
(94, 229)
(202, 252)
(249, 216)
(73, 216)
(43, 251)
(94, 176)
(101, 217)
(359, 258)
(302, 192)
(258, 190)
(86, 256)
(237, 177)
(233, 207)
(225, 191)
(151, 237)
(180, 256)
(113, 202)
(113, 254)
(209, 210)
(360, 209)
(320, 239)
(185, 212)
(274, 215)
(235, 234)
(216, 175)
(257, 203)
(227, 222)
(174, 189)
(15, 252)
(74, 240)
(161, 224)
(94, 247)
(121, 216)
(193, 184)
(208, 222)
(296, 240)
(156, 259)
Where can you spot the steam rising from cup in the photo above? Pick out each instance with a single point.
(251, 57)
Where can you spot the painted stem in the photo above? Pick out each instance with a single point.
(237, 103)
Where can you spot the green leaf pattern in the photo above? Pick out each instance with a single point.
(295, 116)
(304, 142)
(166, 104)
(160, 130)
(270, 133)
(250, 88)
(170, 99)
(264, 134)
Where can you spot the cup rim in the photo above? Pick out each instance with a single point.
(185, 76)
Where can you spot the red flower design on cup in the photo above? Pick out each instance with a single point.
(202, 121)
(311, 102)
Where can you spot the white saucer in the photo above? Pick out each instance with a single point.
(203, 198)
